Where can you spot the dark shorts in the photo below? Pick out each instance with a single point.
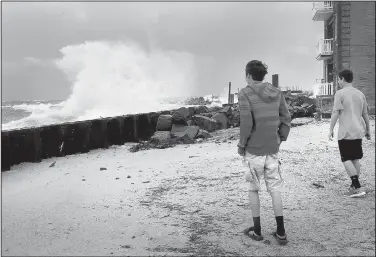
(350, 149)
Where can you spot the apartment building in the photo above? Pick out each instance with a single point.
(349, 42)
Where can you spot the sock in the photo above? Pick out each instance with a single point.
(257, 225)
(355, 181)
(280, 226)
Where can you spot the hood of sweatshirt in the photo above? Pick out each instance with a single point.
(267, 92)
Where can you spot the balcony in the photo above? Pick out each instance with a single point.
(324, 49)
(325, 89)
(322, 10)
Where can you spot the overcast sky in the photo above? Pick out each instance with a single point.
(222, 37)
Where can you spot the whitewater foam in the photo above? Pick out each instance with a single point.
(114, 78)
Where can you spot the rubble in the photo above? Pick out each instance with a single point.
(205, 123)
(188, 125)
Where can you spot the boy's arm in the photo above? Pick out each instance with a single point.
(337, 107)
(366, 118)
(246, 120)
(285, 119)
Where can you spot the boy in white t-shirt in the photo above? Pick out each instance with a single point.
(350, 106)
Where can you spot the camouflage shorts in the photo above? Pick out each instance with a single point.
(267, 167)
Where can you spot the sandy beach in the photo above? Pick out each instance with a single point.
(187, 200)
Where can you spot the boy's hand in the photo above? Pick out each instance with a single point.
(241, 151)
(331, 135)
(368, 135)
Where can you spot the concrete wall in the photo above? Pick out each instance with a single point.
(35, 144)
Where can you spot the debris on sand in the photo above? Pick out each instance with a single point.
(102, 168)
(318, 185)
(53, 164)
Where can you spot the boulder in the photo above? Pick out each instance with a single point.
(202, 109)
(209, 115)
(192, 111)
(180, 116)
(166, 112)
(203, 134)
(227, 110)
(164, 122)
(161, 137)
(186, 134)
(190, 123)
(205, 123)
(221, 119)
(214, 109)
(184, 112)
(235, 119)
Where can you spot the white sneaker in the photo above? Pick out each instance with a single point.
(355, 192)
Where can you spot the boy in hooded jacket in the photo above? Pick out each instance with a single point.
(264, 123)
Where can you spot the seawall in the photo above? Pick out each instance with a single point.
(35, 144)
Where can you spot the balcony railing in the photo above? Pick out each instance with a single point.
(322, 10)
(324, 49)
(325, 89)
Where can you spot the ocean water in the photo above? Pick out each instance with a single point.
(26, 114)
(111, 79)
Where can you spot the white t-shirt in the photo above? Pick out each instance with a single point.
(351, 104)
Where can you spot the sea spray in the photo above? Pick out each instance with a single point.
(115, 78)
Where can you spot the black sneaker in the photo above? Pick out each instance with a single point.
(250, 232)
(282, 240)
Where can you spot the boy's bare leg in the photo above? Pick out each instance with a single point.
(255, 203)
(353, 172)
(350, 168)
(277, 203)
(356, 164)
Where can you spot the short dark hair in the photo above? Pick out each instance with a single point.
(347, 75)
(257, 69)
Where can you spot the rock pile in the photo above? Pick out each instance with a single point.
(186, 125)
(300, 106)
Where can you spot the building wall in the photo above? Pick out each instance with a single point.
(362, 48)
(354, 47)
